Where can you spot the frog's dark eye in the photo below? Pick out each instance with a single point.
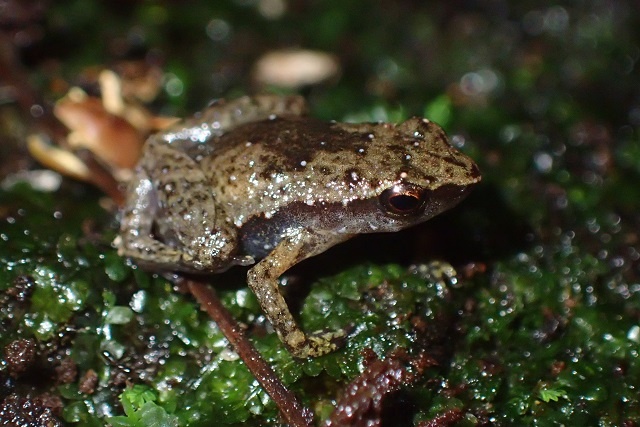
(403, 200)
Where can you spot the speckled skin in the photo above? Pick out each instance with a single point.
(256, 179)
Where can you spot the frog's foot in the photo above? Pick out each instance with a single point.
(440, 272)
(317, 343)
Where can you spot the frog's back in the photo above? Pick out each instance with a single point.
(258, 167)
(285, 144)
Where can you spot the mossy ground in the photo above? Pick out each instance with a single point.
(543, 325)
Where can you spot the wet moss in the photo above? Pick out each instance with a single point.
(540, 325)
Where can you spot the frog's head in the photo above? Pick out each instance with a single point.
(414, 175)
(431, 175)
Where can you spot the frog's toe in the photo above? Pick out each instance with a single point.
(320, 343)
(244, 260)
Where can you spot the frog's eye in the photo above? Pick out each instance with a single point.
(403, 200)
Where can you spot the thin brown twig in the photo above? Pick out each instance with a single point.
(291, 409)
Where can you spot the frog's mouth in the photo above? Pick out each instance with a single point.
(446, 197)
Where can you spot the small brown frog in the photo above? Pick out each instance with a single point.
(255, 178)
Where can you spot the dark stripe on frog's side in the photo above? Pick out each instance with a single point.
(259, 235)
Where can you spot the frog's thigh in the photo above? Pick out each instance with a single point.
(263, 281)
(169, 178)
(228, 115)
(182, 189)
(254, 108)
(265, 105)
(207, 242)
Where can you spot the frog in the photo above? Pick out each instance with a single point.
(258, 182)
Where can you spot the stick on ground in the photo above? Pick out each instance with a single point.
(292, 411)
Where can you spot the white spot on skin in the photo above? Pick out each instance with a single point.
(253, 179)
(143, 188)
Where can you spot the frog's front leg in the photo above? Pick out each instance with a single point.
(263, 281)
(171, 221)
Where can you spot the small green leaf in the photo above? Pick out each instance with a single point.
(552, 394)
(138, 395)
(141, 411)
(115, 267)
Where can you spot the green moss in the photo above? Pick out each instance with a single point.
(541, 326)
(141, 411)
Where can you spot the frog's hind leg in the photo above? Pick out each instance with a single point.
(171, 198)
(263, 281)
(230, 114)
(223, 116)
